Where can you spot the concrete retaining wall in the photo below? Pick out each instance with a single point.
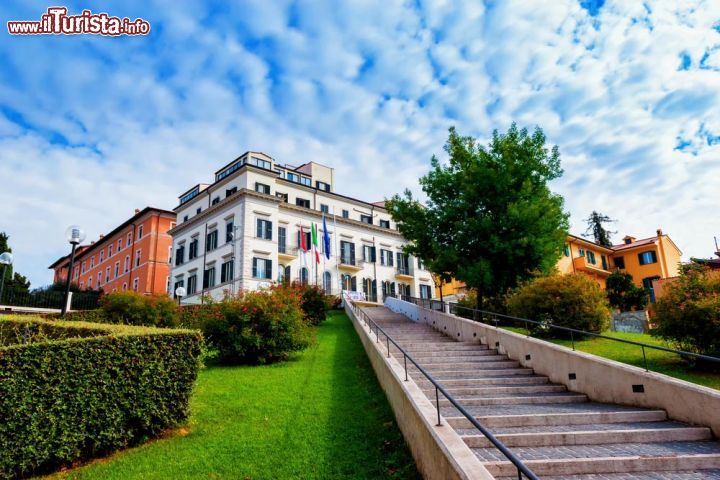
(600, 379)
(439, 452)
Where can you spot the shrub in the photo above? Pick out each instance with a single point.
(253, 327)
(90, 390)
(94, 316)
(688, 312)
(313, 304)
(134, 308)
(573, 301)
(332, 302)
(623, 294)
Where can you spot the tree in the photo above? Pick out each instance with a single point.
(14, 282)
(490, 218)
(624, 294)
(595, 223)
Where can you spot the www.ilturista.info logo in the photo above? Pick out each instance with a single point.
(57, 22)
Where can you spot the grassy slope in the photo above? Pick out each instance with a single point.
(320, 415)
(658, 361)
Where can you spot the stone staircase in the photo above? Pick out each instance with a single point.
(558, 434)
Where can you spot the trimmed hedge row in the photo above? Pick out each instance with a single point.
(100, 388)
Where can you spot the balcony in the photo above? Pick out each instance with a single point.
(581, 263)
(351, 264)
(404, 273)
(287, 253)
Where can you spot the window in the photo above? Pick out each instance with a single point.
(307, 239)
(230, 191)
(140, 232)
(226, 271)
(117, 269)
(604, 262)
(192, 284)
(137, 258)
(215, 201)
(102, 256)
(209, 277)
(229, 231)
(127, 264)
(281, 239)
(193, 253)
(301, 202)
(581, 252)
(648, 285)
(646, 258)
(386, 258)
(403, 263)
(90, 281)
(178, 283)
(327, 282)
(322, 186)
(211, 241)
(99, 282)
(345, 214)
(262, 268)
(82, 269)
(119, 246)
(347, 253)
(124, 286)
(619, 262)
(281, 274)
(110, 251)
(262, 188)
(425, 291)
(324, 208)
(263, 229)
(199, 209)
(566, 250)
(368, 253)
(129, 239)
(370, 289)
(304, 275)
(258, 162)
(421, 265)
(348, 282)
(136, 284)
(366, 219)
(180, 253)
(388, 288)
(590, 257)
(283, 196)
(185, 218)
(384, 223)
(92, 262)
(107, 274)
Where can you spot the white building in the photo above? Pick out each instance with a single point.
(243, 232)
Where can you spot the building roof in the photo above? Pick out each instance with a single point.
(116, 230)
(636, 243)
(585, 241)
(66, 258)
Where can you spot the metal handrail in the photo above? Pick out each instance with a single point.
(573, 331)
(521, 467)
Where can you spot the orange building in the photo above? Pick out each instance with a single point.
(135, 255)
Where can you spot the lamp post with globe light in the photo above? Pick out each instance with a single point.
(180, 292)
(6, 259)
(74, 235)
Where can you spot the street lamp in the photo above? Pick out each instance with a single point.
(6, 259)
(180, 292)
(74, 235)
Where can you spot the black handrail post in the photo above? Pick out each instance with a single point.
(437, 404)
(572, 339)
(405, 360)
(387, 341)
(644, 357)
(527, 329)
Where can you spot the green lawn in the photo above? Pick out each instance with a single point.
(658, 361)
(320, 415)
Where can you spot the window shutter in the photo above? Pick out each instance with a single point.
(268, 269)
(353, 284)
(254, 267)
(373, 255)
(268, 230)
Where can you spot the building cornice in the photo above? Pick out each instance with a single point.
(341, 220)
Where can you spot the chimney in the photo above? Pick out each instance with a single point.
(628, 239)
(92, 242)
(137, 210)
(101, 236)
(659, 232)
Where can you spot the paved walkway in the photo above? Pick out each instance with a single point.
(559, 434)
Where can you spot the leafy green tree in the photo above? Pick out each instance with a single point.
(596, 228)
(14, 282)
(490, 219)
(624, 294)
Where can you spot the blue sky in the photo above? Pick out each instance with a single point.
(92, 128)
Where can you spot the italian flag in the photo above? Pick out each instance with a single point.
(315, 243)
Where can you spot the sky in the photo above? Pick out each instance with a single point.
(93, 127)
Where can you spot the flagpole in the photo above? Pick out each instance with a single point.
(337, 252)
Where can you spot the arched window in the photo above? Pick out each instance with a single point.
(327, 282)
(369, 289)
(287, 275)
(348, 282)
(304, 276)
(281, 274)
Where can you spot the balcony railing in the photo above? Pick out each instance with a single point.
(404, 271)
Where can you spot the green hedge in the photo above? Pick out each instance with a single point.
(77, 390)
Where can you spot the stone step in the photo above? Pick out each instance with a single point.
(517, 399)
(591, 436)
(469, 368)
(463, 361)
(460, 355)
(667, 424)
(713, 474)
(559, 419)
(478, 382)
(611, 458)
(444, 346)
(478, 373)
(540, 409)
(491, 391)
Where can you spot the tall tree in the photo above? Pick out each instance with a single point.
(13, 280)
(490, 218)
(596, 228)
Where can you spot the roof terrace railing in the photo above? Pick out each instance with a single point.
(522, 469)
